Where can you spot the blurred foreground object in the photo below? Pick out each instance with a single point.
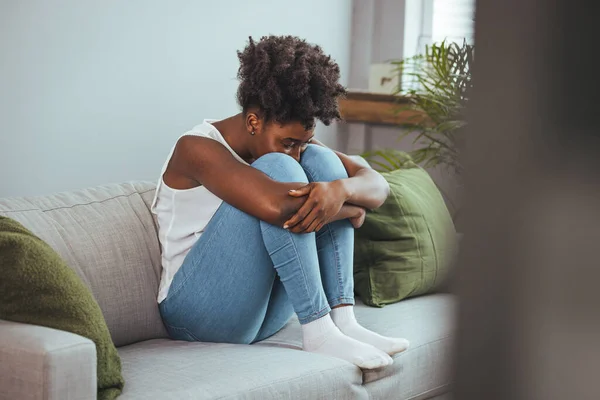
(529, 324)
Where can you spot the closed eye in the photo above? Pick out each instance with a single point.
(291, 143)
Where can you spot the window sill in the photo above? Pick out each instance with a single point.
(378, 109)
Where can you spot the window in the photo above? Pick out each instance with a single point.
(431, 21)
(452, 20)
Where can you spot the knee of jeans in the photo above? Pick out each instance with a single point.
(280, 167)
(322, 164)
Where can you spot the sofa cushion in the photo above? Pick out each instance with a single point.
(176, 370)
(276, 368)
(420, 372)
(108, 236)
(406, 246)
(423, 370)
(38, 288)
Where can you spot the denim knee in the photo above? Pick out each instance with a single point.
(281, 167)
(322, 164)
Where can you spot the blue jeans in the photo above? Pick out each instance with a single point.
(244, 278)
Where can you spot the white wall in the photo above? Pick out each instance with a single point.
(93, 92)
(377, 37)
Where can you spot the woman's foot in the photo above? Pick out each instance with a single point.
(323, 337)
(344, 319)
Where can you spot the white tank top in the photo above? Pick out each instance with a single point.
(183, 214)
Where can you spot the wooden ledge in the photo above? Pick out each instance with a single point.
(375, 108)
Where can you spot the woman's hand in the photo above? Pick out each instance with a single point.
(324, 201)
(359, 219)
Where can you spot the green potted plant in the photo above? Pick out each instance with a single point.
(437, 84)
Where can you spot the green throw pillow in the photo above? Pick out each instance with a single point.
(37, 287)
(406, 246)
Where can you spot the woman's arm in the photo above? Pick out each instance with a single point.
(355, 214)
(364, 186)
(202, 161)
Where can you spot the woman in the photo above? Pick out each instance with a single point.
(256, 217)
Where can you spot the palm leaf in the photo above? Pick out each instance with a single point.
(439, 85)
(389, 160)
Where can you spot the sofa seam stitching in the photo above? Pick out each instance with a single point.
(76, 205)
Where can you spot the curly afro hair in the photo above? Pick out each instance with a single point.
(289, 80)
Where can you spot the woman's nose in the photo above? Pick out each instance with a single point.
(297, 155)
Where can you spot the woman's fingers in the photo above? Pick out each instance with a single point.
(314, 226)
(300, 214)
(321, 225)
(303, 191)
(304, 210)
(304, 225)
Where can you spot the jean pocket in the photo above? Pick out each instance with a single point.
(177, 333)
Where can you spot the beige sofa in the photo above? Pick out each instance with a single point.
(108, 236)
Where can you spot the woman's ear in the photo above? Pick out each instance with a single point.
(253, 123)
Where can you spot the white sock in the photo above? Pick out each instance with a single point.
(323, 337)
(344, 319)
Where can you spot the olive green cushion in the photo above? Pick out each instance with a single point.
(405, 247)
(37, 287)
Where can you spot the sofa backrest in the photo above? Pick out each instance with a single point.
(108, 235)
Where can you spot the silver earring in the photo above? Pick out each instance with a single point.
(252, 133)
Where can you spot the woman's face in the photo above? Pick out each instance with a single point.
(291, 139)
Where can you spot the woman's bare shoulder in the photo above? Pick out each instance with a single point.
(193, 157)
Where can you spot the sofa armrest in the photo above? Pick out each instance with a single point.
(44, 363)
